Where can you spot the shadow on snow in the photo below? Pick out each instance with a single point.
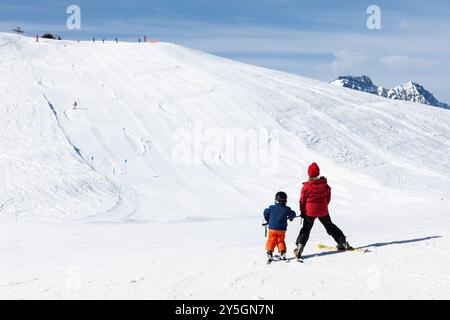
(376, 245)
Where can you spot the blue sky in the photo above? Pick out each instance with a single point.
(318, 39)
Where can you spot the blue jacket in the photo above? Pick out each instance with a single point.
(277, 216)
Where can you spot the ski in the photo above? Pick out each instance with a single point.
(285, 261)
(331, 248)
(288, 260)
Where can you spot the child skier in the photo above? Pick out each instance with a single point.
(314, 199)
(276, 216)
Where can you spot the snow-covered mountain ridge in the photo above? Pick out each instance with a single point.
(409, 91)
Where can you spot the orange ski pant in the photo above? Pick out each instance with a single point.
(276, 239)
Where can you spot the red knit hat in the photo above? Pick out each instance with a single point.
(313, 170)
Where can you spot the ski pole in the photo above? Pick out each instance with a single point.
(265, 228)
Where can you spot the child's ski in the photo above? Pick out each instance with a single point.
(276, 259)
(279, 259)
(325, 247)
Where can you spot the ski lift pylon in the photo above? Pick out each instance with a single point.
(18, 30)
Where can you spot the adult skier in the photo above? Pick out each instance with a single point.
(314, 199)
(277, 215)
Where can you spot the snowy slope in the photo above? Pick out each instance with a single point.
(42, 176)
(388, 162)
(131, 99)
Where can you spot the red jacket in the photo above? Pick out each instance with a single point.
(315, 197)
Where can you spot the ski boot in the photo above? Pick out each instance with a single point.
(298, 251)
(283, 255)
(269, 257)
(344, 246)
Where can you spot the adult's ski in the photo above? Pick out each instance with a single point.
(331, 248)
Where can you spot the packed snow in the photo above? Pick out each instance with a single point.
(133, 192)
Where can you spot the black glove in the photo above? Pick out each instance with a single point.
(291, 219)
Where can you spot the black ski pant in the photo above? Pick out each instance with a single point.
(331, 228)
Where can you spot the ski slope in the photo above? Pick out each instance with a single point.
(95, 202)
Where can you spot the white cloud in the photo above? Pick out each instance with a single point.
(401, 61)
(345, 60)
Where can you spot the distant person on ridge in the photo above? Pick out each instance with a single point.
(277, 215)
(314, 199)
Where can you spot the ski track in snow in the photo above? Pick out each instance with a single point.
(77, 221)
